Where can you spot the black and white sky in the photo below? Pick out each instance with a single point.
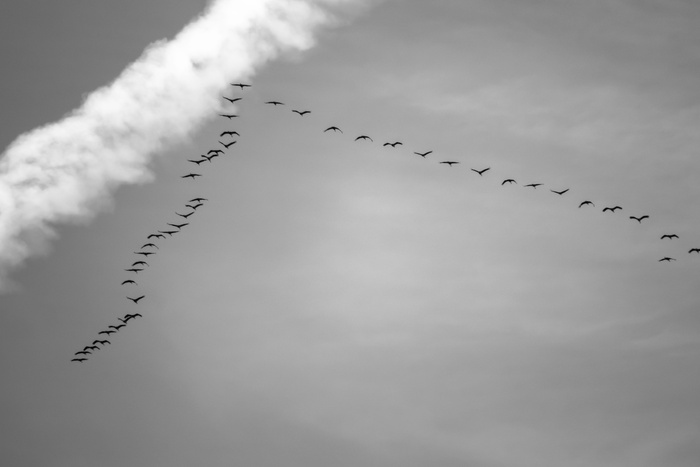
(340, 302)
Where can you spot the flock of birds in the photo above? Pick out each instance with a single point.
(150, 248)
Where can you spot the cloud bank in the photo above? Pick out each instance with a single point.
(65, 171)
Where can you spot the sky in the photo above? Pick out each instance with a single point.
(340, 302)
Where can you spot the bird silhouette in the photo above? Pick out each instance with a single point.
(364, 137)
(334, 128)
(145, 253)
(136, 300)
(560, 192)
(209, 158)
(83, 352)
(129, 282)
(533, 185)
(229, 116)
(179, 226)
(133, 270)
(228, 145)
(169, 232)
(585, 203)
(666, 258)
(138, 263)
(117, 328)
(613, 209)
(185, 216)
(694, 250)
(241, 85)
(481, 172)
(232, 100)
(150, 245)
(275, 103)
(230, 133)
(394, 144)
(194, 206)
(91, 347)
(215, 151)
(509, 181)
(191, 175)
(106, 332)
(156, 236)
(79, 360)
(197, 200)
(639, 219)
(196, 161)
(301, 112)
(423, 154)
(450, 163)
(101, 342)
(670, 237)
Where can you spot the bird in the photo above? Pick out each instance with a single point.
(364, 137)
(134, 315)
(101, 342)
(145, 253)
(481, 172)
(639, 219)
(185, 216)
(133, 270)
(241, 85)
(191, 175)
(136, 300)
(670, 237)
(150, 244)
(230, 133)
(613, 209)
(227, 145)
(138, 263)
(232, 100)
(666, 258)
(509, 181)
(394, 144)
(449, 162)
(334, 128)
(197, 200)
(91, 347)
(694, 250)
(129, 282)
(533, 185)
(560, 192)
(194, 206)
(179, 226)
(106, 332)
(156, 236)
(585, 203)
(301, 112)
(209, 158)
(214, 151)
(117, 328)
(83, 352)
(169, 232)
(229, 116)
(196, 162)
(79, 360)
(275, 103)
(423, 154)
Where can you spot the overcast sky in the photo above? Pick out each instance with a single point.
(343, 303)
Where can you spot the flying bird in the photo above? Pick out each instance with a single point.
(106, 332)
(560, 192)
(586, 203)
(639, 219)
(145, 253)
(613, 209)
(394, 144)
(179, 226)
(133, 270)
(509, 181)
(91, 347)
(334, 128)
(230, 133)
(481, 172)
(232, 100)
(185, 216)
(533, 185)
(192, 176)
(150, 244)
(101, 342)
(228, 145)
(275, 103)
(229, 116)
(136, 300)
(364, 137)
(209, 158)
(301, 112)
(423, 154)
(129, 282)
(214, 151)
(197, 200)
(117, 328)
(79, 360)
(241, 85)
(83, 352)
(670, 237)
(194, 206)
(666, 258)
(694, 250)
(138, 263)
(169, 232)
(449, 162)
(156, 236)
(196, 162)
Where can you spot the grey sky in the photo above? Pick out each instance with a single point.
(341, 303)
